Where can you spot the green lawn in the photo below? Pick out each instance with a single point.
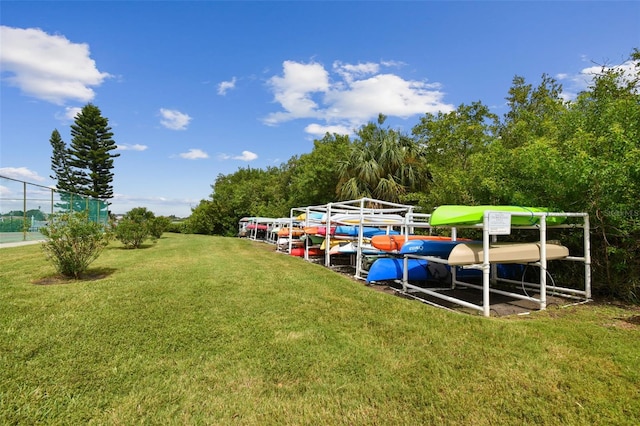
(211, 330)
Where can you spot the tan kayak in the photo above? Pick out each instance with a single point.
(469, 254)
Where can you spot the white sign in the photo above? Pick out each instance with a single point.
(499, 223)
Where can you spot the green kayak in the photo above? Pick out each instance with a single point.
(471, 215)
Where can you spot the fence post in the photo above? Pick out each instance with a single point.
(24, 211)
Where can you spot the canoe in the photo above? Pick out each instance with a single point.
(368, 231)
(472, 215)
(312, 216)
(356, 218)
(439, 248)
(259, 227)
(391, 268)
(351, 248)
(396, 241)
(334, 242)
(283, 242)
(318, 230)
(335, 249)
(296, 232)
(313, 251)
(472, 253)
(312, 239)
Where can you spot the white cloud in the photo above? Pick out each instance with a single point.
(134, 147)
(357, 94)
(246, 156)
(320, 130)
(294, 90)
(69, 114)
(194, 154)
(48, 67)
(174, 119)
(225, 86)
(4, 191)
(572, 84)
(21, 173)
(351, 71)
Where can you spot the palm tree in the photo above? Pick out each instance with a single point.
(382, 164)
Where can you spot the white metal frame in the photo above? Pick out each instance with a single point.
(486, 265)
(359, 207)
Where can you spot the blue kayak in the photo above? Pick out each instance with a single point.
(391, 268)
(367, 231)
(439, 248)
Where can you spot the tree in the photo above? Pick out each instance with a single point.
(450, 142)
(60, 163)
(89, 155)
(601, 147)
(313, 178)
(533, 112)
(382, 164)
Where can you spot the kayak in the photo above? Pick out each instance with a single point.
(391, 268)
(472, 215)
(395, 242)
(367, 231)
(473, 253)
(439, 248)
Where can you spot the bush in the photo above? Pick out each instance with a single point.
(131, 233)
(73, 242)
(158, 225)
(8, 224)
(176, 227)
(138, 225)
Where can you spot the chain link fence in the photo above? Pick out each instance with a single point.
(26, 207)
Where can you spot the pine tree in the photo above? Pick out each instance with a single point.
(60, 163)
(89, 155)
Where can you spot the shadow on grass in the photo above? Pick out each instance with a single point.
(90, 275)
(122, 247)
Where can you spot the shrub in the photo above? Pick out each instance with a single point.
(138, 225)
(73, 242)
(176, 227)
(8, 224)
(131, 233)
(158, 225)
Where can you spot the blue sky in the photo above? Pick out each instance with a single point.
(197, 89)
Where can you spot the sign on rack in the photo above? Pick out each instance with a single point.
(499, 223)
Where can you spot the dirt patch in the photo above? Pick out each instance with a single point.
(93, 275)
(634, 320)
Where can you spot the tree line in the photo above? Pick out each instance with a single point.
(580, 156)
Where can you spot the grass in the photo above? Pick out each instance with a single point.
(211, 330)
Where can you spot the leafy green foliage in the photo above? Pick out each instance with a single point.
(313, 178)
(383, 164)
(205, 220)
(63, 174)
(158, 225)
(73, 242)
(8, 224)
(137, 226)
(450, 142)
(89, 157)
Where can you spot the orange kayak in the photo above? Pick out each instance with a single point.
(299, 251)
(296, 232)
(395, 242)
